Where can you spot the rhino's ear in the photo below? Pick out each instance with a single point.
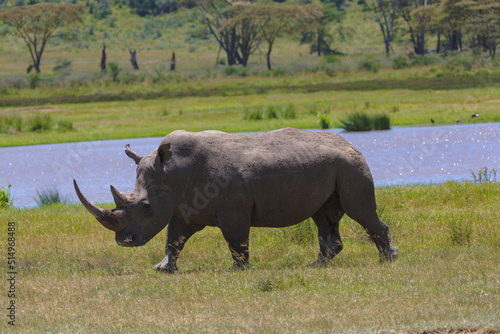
(164, 153)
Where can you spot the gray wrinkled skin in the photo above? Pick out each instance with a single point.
(234, 182)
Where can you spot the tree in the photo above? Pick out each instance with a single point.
(417, 14)
(450, 17)
(274, 20)
(384, 12)
(36, 23)
(485, 24)
(213, 14)
(318, 35)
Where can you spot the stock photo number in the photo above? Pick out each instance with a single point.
(11, 273)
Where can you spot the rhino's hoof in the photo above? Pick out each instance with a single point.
(389, 255)
(321, 261)
(166, 268)
(240, 266)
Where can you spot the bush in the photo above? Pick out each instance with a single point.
(237, 71)
(381, 122)
(34, 80)
(271, 112)
(323, 120)
(370, 64)
(400, 62)
(10, 124)
(62, 67)
(65, 125)
(289, 112)
(41, 122)
(115, 70)
(49, 196)
(5, 197)
(360, 121)
(252, 115)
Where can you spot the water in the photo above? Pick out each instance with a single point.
(398, 156)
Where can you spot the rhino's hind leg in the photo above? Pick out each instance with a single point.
(235, 228)
(359, 204)
(327, 219)
(178, 232)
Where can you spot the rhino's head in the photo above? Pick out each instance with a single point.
(143, 213)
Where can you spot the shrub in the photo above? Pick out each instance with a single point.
(360, 121)
(370, 64)
(289, 111)
(271, 112)
(400, 62)
(10, 124)
(63, 67)
(381, 122)
(115, 70)
(41, 122)
(49, 196)
(5, 197)
(252, 115)
(237, 71)
(323, 120)
(65, 125)
(34, 80)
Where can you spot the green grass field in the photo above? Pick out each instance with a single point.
(72, 277)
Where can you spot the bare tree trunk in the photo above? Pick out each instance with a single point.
(103, 59)
(133, 59)
(172, 62)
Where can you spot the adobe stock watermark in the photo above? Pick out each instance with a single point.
(202, 197)
(11, 274)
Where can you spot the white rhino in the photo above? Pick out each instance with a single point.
(238, 181)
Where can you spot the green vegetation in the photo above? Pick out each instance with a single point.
(5, 197)
(76, 279)
(361, 121)
(49, 196)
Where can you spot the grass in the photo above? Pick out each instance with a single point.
(74, 278)
(361, 121)
(49, 196)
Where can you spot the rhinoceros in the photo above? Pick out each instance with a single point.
(238, 181)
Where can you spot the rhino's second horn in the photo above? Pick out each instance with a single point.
(121, 199)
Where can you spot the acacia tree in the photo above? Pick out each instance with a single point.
(274, 20)
(417, 14)
(214, 14)
(450, 17)
(36, 23)
(485, 23)
(384, 12)
(317, 33)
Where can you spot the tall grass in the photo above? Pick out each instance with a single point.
(360, 121)
(49, 196)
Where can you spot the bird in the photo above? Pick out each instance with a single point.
(432, 121)
(458, 121)
(475, 115)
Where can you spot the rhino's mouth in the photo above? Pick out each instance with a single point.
(130, 240)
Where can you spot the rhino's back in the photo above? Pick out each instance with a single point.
(288, 174)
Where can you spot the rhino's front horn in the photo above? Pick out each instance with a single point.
(121, 199)
(105, 217)
(134, 156)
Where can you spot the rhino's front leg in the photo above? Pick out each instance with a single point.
(178, 232)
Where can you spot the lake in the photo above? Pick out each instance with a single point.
(408, 155)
